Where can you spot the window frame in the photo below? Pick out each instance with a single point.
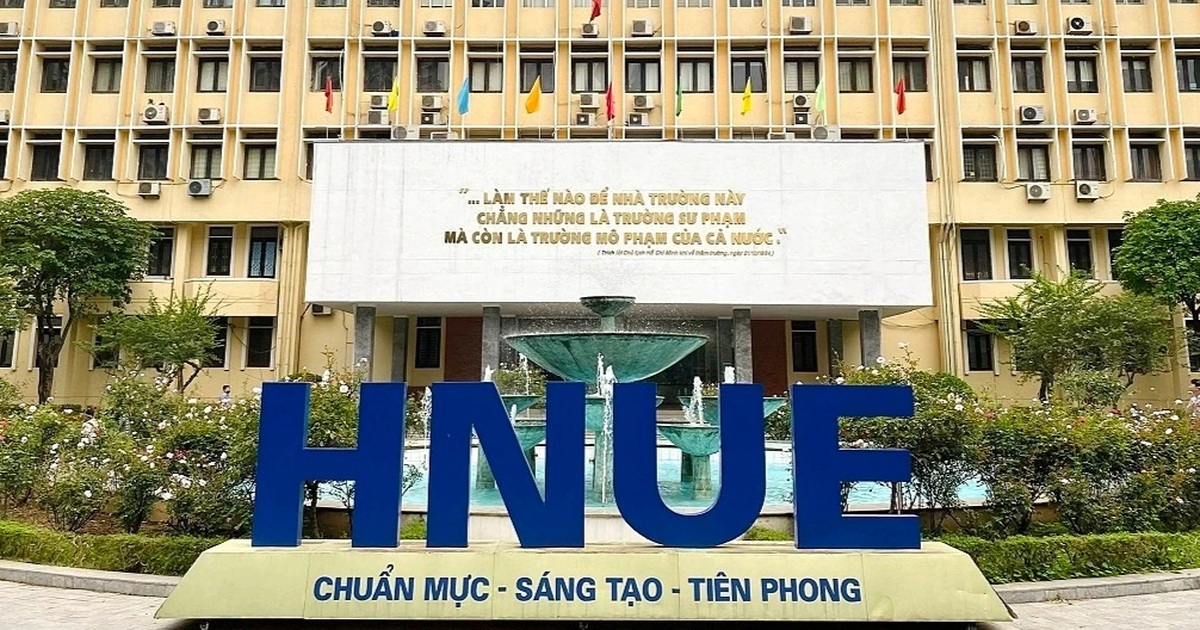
(850, 62)
(694, 72)
(442, 70)
(981, 261)
(802, 333)
(644, 63)
(434, 335)
(157, 258)
(492, 69)
(530, 67)
(265, 258)
(272, 65)
(1013, 239)
(746, 64)
(209, 251)
(1073, 240)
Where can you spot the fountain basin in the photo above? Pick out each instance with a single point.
(594, 412)
(529, 434)
(522, 402)
(697, 440)
(712, 406)
(633, 356)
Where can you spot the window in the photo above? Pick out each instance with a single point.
(1079, 251)
(973, 75)
(801, 75)
(1186, 66)
(487, 75)
(854, 75)
(218, 4)
(206, 161)
(1116, 236)
(220, 251)
(162, 250)
(62, 4)
(532, 68)
(487, 4)
(54, 333)
(642, 4)
(378, 74)
(1027, 75)
(56, 73)
(98, 162)
(166, 3)
(747, 69)
(8, 343)
(798, 3)
(696, 76)
(104, 357)
(114, 4)
(212, 75)
(903, 3)
(1033, 162)
(980, 357)
(804, 346)
(106, 76)
(1089, 162)
(1081, 74)
(429, 343)
(1191, 158)
(260, 341)
(8, 74)
(264, 246)
(1135, 73)
(912, 70)
(975, 2)
(433, 74)
(928, 161)
(745, 4)
(45, 163)
(160, 75)
(329, 3)
(152, 161)
(383, 3)
(438, 4)
(589, 75)
(642, 75)
(979, 162)
(859, 3)
(219, 353)
(265, 73)
(1020, 254)
(700, 4)
(1144, 161)
(260, 162)
(977, 254)
(326, 68)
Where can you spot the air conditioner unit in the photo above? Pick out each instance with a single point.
(643, 28)
(406, 133)
(1032, 114)
(589, 29)
(1085, 116)
(781, 135)
(1087, 190)
(432, 118)
(435, 27)
(200, 187)
(149, 189)
(826, 132)
(379, 101)
(320, 310)
(4, 116)
(377, 117)
(215, 27)
(589, 101)
(1039, 191)
(432, 102)
(800, 101)
(639, 120)
(156, 114)
(1079, 25)
(643, 101)
(10, 29)
(163, 28)
(585, 120)
(381, 28)
(800, 118)
(1024, 27)
(800, 25)
(443, 135)
(209, 115)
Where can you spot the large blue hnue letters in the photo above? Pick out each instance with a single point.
(555, 517)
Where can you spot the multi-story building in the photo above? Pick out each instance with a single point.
(1043, 121)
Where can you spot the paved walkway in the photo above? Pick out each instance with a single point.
(39, 608)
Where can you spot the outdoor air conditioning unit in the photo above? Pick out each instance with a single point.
(639, 120)
(1087, 190)
(643, 28)
(1039, 191)
(443, 135)
(215, 27)
(435, 27)
(381, 28)
(4, 116)
(200, 187)
(781, 135)
(406, 133)
(377, 117)
(826, 132)
(149, 190)
(800, 101)
(210, 115)
(1025, 27)
(432, 102)
(166, 28)
(1085, 116)
(432, 118)
(800, 25)
(156, 114)
(589, 101)
(321, 310)
(589, 29)
(800, 118)
(1032, 114)
(643, 101)
(585, 120)
(10, 29)
(1079, 25)
(379, 101)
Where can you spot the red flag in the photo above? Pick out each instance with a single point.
(609, 104)
(329, 93)
(900, 106)
(595, 10)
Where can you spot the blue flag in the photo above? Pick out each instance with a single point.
(464, 96)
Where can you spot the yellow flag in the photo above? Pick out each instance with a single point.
(394, 97)
(746, 97)
(534, 100)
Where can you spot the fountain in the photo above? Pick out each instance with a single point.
(529, 432)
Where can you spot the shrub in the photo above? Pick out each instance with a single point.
(27, 439)
(159, 555)
(1092, 389)
(520, 379)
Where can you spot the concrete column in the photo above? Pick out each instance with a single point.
(724, 347)
(833, 338)
(364, 337)
(491, 339)
(399, 349)
(743, 356)
(869, 336)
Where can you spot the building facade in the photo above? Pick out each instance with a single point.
(1044, 122)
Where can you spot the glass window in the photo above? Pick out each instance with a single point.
(219, 354)
(54, 333)
(429, 343)
(1079, 251)
(1135, 73)
(1027, 75)
(1033, 162)
(378, 74)
(642, 75)
(8, 343)
(1145, 163)
(106, 76)
(804, 346)
(212, 75)
(166, 3)
(260, 341)
(56, 74)
(1116, 236)
(487, 4)
(45, 162)
(264, 246)
(265, 74)
(220, 251)
(642, 4)
(696, 76)
(912, 70)
(1187, 67)
(383, 3)
(973, 75)
(979, 162)
(433, 74)
(162, 250)
(980, 357)
(976, 254)
(1020, 254)
(326, 68)
(534, 67)
(752, 69)
(160, 75)
(1081, 75)
(98, 162)
(854, 75)
(487, 75)
(260, 162)
(1089, 162)
(589, 75)
(701, 4)
(206, 161)
(745, 4)
(8, 74)
(1191, 158)
(104, 357)
(329, 3)
(152, 162)
(801, 75)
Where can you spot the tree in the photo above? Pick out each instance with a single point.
(72, 247)
(1159, 256)
(176, 337)
(12, 311)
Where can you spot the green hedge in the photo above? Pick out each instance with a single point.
(132, 553)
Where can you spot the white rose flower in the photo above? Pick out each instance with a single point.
(344, 389)
(87, 494)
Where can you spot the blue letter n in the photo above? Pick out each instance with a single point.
(285, 462)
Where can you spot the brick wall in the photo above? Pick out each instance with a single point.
(464, 348)
(769, 338)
